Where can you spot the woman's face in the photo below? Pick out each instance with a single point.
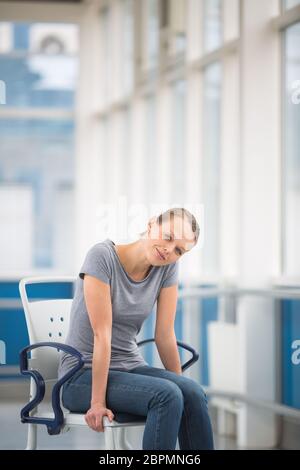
(166, 243)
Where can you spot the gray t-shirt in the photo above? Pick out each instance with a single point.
(132, 302)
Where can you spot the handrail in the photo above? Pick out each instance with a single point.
(206, 292)
(275, 293)
(236, 397)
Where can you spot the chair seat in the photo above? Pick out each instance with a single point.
(120, 420)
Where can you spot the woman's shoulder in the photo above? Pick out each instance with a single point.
(170, 276)
(100, 248)
(97, 261)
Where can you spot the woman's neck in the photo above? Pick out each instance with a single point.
(134, 260)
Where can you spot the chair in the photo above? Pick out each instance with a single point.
(47, 323)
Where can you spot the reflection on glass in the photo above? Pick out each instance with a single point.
(290, 3)
(291, 151)
(178, 11)
(211, 167)
(180, 43)
(128, 46)
(178, 141)
(105, 157)
(212, 24)
(152, 39)
(152, 163)
(125, 153)
(40, 155)
(106, 36)
(39, 64)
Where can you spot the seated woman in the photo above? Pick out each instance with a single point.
(117, 288)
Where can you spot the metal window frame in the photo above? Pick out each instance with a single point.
(280, 23)
(286, 18)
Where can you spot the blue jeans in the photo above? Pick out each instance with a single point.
(174, 406)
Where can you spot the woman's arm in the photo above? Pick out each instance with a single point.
(98, 303)
(165, 338)
(100, 366)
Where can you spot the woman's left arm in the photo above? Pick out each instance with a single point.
(165, 338)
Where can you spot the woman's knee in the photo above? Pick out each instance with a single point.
(192, 389)
(171, 392)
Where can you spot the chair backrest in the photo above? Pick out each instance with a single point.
(46, 320)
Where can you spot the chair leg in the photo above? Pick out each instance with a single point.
(31, 437)
(109, 438)
(32, 428)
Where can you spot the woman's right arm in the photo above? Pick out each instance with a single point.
(98, 303)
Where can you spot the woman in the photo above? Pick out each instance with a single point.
(117, 288)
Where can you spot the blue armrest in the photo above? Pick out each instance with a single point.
(183, 345)
(55, 424)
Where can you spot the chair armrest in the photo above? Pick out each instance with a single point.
(55, 424)
(182, 345)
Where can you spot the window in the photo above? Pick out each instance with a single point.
(178, 141)
(104, 158)
(152, 33)
(173, 25)
(287, 4)
(152, 163)
(37, 148)
(211, 166)
(291, 150)
(106, 59)
(33, 76)
(127, 49)
(124, 151)
(212, 24)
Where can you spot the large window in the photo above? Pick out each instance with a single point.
(151, 15)
(38, 64)
(106, 57)
(211, 167)
(151, 155)
(127, 46)
(291, 150)
(212, 24)
(178, 142)
(173, 26)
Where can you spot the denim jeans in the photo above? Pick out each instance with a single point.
(174, 406)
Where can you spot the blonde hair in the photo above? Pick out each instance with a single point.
(178, 212)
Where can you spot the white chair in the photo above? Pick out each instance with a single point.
(47, 322)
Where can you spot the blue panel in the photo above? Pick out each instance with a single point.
(63, 290)
(13, 332)
(209, 312)
(290, 371)
(10, 290)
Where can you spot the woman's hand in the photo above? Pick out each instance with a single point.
(94, 416)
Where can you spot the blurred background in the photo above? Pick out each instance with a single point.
(114, 109)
